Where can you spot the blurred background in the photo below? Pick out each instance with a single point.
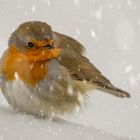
(110, 32)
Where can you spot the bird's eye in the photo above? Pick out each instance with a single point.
(30, 44)
(49, 46)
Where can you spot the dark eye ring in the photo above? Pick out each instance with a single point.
(30, 44)
(49, 46)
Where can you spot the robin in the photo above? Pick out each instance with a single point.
(45, 73)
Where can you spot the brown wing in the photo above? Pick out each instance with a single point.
(79, 66)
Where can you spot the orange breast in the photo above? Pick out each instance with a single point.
(29, 71)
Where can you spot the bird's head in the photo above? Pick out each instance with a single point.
(31, 46)
(35, 41)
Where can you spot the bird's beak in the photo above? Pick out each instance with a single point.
(41, 55)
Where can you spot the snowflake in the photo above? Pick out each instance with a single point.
(132, 80)
(16, 76)
(77, 31)
(129, 2)
(128, 68)
(76, 2)
(48, 2)
(98, 13)
(33, 8)
(70, 90)
(93, 33)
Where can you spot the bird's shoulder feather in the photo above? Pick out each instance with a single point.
(72, 57)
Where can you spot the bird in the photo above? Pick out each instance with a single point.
(45, 73)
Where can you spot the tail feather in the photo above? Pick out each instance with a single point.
(114, 91)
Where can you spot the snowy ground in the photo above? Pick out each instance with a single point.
(25, 127)
(110, 30)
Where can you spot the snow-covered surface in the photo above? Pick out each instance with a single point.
(24, 127)
(110, 30)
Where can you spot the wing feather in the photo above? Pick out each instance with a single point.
(72, 57)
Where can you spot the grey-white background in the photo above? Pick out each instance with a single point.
(110, 31)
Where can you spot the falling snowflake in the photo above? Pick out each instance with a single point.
(110, 6)
(76, 110)
(33, 8)
(70, 90)
(48, 2)
(51, 88)
(76, 2)
(128, 68)
(98, 13)
(77, 31)
(132, 80)
(80, 98)
(93, 33)
(16, 76)
(135, 106)
(129, 2)
(26, 13)
(30, 122)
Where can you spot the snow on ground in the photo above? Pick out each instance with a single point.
(16, 126)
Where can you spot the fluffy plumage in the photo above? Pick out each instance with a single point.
(50, 76)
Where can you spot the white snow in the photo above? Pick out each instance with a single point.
(76, 2)
(17, 126)
(26, 13)
(16, 76)
(77, 31)
(80, 98)
(48, 2)
(93, 33)
(136, 106)
(129, 2)
(70, 90)
(117, 26)
(128, 68)
(99, 12)
(132, 80)
(33, 8)
(110, 6)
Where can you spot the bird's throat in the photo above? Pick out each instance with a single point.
(18, 65)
